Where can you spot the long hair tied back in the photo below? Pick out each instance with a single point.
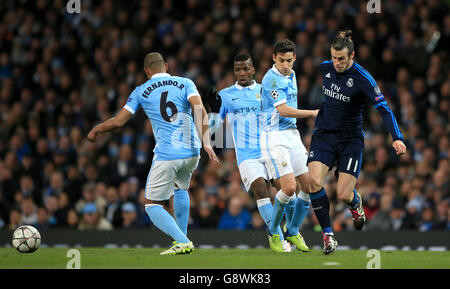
(343, 39)
(346, 33)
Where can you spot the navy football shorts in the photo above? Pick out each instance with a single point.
(337, 148)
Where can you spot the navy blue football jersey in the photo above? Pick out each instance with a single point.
(346, 94)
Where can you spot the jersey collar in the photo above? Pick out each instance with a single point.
(275, 70)
(162, 74)
(251, 86)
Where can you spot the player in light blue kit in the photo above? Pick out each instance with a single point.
(241, 107)
(281, 146)
(168, 102)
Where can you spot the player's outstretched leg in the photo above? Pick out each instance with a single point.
(357, 210)
(166, 223)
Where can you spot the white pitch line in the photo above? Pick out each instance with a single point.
(331, 263)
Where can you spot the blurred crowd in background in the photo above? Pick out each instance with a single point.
(61, 73)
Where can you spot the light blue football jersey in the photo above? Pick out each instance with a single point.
(165, 100)
(242, 108)
(276, 90)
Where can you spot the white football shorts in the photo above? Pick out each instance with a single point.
(284, 153)
(251, 170)
(165, 176)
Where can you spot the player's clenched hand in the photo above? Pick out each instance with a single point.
(92, 135)
(212, 155)
(399, 147)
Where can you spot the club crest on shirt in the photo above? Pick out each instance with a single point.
(350, 82)
(274, 94)
(311, 154)
(258, 96)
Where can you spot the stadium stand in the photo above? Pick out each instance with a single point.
(61, 73)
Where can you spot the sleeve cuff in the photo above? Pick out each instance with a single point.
(132, 111)
(279, 102)
(192, 94)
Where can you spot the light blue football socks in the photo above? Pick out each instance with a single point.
(165, 222)
(279, 208)
(302, 205)
(265, 209)
(290, 208)
(181, 206)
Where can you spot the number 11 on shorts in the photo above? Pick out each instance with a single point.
(350, 164)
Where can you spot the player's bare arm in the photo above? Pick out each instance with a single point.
(109, 125)
(202, 126)
(286, 111)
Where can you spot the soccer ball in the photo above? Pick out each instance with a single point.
(26, 239)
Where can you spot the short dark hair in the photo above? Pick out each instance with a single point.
(343, 39)
(153, 59)
(283, 46)
(242, 56)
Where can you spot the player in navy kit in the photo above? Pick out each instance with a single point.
(339, 139)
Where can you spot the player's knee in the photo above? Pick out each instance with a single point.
(152, 202)
(289, 189)
(259, 189)
(315, 183)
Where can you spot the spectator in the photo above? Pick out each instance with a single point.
(56, 185)
(129, 217)
(112, 203)
(28, 189)
(372, 205)
(72, 219)
(15, 219)
(427, 221)
(3, 211)
(92, 220)
(397, 215)
(381, 219)
(442, 215)
(60, 214)
(257, 222)
(142, 214)
(125, 166)
(52, 206)
(43, 219)
(90, 196)
(29, 211)
(203, 217)
(236, 217)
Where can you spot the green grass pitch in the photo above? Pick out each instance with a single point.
(220, 259)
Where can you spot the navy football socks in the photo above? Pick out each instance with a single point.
(321, 206)
(353, 204)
